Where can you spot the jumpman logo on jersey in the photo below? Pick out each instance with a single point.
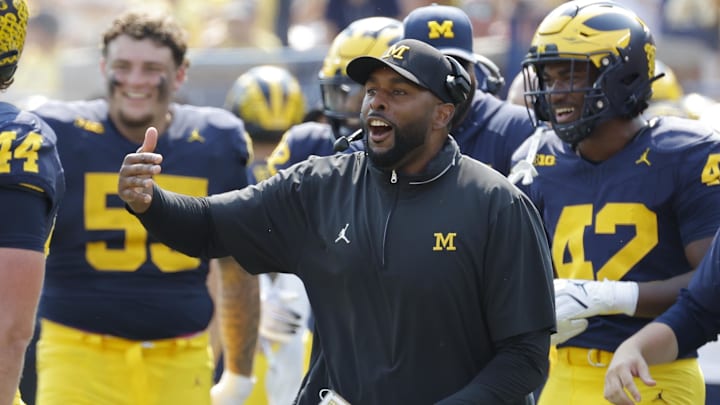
(659, 398)
(196, 137)
(341, 235)
(644, 158)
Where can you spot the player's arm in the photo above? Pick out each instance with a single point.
(579, 299)
(22, 266)
(213, 285)
(239, 314)
(695, 208)
(21, 272)
(239, 317)
(689, 323)
(653, 344)
(656, 296)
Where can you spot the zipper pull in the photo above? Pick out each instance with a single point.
(393, 177)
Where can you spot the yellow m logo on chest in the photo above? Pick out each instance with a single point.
(444, 242)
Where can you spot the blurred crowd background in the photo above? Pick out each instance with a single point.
(228, 37)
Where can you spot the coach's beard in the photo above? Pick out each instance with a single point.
(406, 141)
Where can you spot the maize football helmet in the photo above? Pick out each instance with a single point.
(268, 99)
(618, 51)
(13, 20)
(342, 97)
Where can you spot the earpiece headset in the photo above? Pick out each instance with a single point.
(490, 80)
(458, 83)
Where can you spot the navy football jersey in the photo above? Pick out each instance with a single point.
(631, 216)
(492, 130)
(302, 141)
(105, 273)
(257, 171)
(29, 161)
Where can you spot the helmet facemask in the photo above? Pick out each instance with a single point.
(548, 101)
(342, 100)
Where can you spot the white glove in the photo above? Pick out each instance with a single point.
(587, 298)
(522, 171)
(525, 169)
(232, 389)
(568, 328)
(279, 322)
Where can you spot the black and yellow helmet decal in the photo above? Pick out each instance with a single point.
(268, 99)
(366, 37)
(13, 26)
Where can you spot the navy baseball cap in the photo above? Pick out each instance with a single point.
(417, 62)
(447, 28)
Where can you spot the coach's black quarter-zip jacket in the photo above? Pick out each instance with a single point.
(412, 279)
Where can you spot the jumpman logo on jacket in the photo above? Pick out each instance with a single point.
(341, 235)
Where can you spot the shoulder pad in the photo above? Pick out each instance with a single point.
(675, 133)
(68, 111)
(220, 118)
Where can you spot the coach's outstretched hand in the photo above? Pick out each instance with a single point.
(135, 184)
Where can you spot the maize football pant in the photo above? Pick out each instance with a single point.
(81, 368)
(577, 376)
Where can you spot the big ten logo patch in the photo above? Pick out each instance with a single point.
(544, 160)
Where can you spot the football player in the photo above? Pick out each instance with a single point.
(489, 129)
(123, 317)
(629, 204)
(31, 187)
(269, 100)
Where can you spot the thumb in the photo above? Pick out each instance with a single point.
(150, 142)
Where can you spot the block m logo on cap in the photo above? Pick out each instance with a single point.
(437, 30)
(395, 52)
